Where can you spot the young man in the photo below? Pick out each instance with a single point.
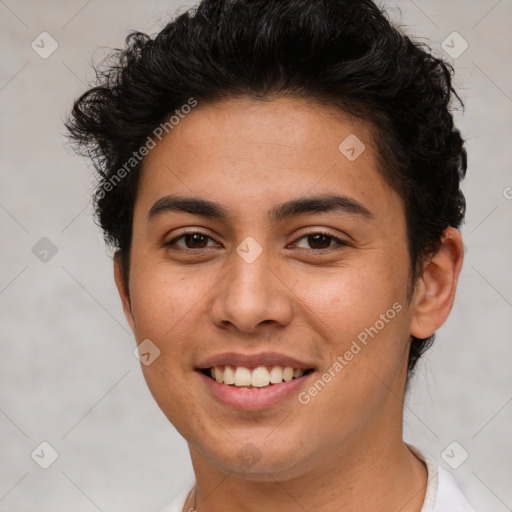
(281, 182)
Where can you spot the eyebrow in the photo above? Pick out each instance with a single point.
(278, 213)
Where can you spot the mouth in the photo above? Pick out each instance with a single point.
(260, 377)
(254, 381)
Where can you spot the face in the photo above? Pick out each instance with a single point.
(266, 281)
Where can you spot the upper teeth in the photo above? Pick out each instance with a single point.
(259, 377)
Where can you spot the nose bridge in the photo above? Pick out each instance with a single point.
(250, 294)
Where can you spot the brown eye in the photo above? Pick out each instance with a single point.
(321, 241)
(192, 240)
(195, 238)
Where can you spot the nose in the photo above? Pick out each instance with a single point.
(251, 295)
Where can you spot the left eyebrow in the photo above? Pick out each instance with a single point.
(280, 212)
(318, 204)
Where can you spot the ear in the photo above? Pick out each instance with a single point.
(121, 288)
(435, 291)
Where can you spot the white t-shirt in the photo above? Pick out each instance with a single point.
(442, 495)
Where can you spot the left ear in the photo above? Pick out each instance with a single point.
(435, 291)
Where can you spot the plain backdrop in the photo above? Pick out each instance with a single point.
(68, 374)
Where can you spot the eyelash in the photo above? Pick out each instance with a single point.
(341, 243)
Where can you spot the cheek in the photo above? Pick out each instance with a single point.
(361, 312)
(165, 305)
(352, 298)
(161, 298)
(155, 302)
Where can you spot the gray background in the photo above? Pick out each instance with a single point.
(68, 373)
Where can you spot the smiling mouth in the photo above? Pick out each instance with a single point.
(255, 378)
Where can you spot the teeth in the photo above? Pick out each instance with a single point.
(218, 374)
(229, 375)
(288, 374)
(276, 375)
(242, 377)
(260, 377)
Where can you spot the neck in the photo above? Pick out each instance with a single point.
(385, 475)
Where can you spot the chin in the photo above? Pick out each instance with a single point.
(258, 460)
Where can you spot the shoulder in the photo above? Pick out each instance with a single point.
(449, 496)
(442, 493)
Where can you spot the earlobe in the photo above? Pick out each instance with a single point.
(122, 290)
(435, 291)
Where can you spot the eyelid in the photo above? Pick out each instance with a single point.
(191, 231)
(339, 242)
(318, 231)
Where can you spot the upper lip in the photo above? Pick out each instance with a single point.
(253, 360)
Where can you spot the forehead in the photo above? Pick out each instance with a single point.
(253, 153)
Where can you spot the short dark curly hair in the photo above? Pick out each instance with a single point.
(344, 54)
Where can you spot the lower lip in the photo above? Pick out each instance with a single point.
(256, 398)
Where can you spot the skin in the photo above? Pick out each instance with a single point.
(344, 449)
